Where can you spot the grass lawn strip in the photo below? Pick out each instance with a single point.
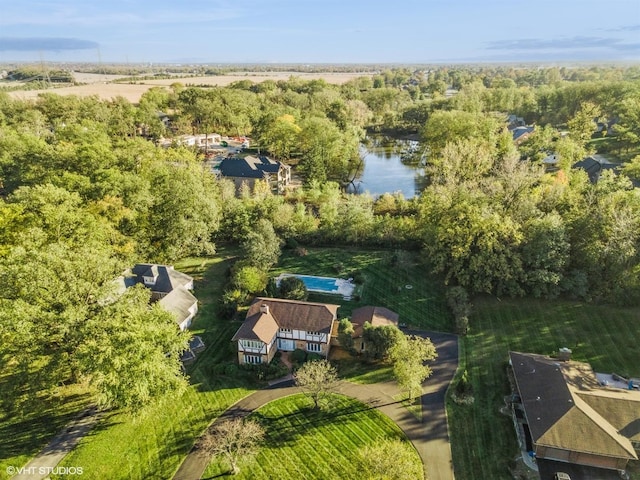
(304, 443)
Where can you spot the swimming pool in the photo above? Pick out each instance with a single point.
(336, 286)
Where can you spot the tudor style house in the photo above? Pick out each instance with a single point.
(570, 420)
(249, 169)
(274, 324)
(169, 287)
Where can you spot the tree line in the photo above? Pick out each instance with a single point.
(87, 192)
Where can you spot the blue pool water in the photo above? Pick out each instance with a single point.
(319, 284)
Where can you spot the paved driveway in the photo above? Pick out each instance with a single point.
(430, 437)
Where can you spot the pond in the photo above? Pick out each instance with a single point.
(390, 165)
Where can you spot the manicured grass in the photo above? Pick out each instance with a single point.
(304, 443)
(22, 437)
(153, 443)
(384, 284)
(482, 439)
(357, 371)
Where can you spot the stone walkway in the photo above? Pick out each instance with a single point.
(45, 462)
(429, 436)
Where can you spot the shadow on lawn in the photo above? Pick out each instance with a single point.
(289, 427)
(31, 433)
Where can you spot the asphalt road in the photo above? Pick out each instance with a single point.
(430, 437)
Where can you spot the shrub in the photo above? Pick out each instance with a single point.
(291, 244)
(312, 356)
(292, 288)
(230, 369)
(298, 356)
(358, 277)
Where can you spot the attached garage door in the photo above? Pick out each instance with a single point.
(287, 345)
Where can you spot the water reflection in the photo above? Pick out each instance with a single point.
(390, 165)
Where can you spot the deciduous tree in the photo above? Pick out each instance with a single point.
(236, 440)
(317, 378)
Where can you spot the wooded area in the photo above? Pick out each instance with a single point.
(87, 192)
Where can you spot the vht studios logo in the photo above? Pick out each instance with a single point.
(44, 470)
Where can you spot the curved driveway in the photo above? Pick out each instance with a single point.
(430, 437)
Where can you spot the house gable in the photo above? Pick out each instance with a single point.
(304, 325)
(169, 287)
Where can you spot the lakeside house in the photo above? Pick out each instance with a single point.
(249, 169)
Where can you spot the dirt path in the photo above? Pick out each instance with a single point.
(430, 437)
(46, 461)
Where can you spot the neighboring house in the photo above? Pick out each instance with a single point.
(520, 134)
(594, 166)
(274, 324)
(249, 169)
(169, 288)
(568, 418)
(375, 316)
(201, 140)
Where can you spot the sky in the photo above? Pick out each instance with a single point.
(319, 31)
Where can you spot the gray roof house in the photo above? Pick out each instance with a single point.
(249, 169)
(169, 287)
(571, 421)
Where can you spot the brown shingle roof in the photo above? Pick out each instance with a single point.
(309, 316)
(376, 316)
(259, 326)
(552, 396)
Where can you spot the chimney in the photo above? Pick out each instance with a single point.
(564, 354)
(264, 308)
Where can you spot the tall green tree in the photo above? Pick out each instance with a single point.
(409, 356)
(131, 352)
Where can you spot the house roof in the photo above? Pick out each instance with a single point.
(519, 132)
(178, 302)
(293, 314)
(258, 326)
(170, 284)
(552, 396)
(167, 277)
(376, 316)
(594, 167)
(249, 167)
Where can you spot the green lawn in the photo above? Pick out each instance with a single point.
(22, 437)
(305, 443)
(153, 443)
(482, 439)
(384, 283)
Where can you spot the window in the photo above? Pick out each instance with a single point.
(255, 359)
(285, 330)
(253, 344)
(313, 333)
(314, 347)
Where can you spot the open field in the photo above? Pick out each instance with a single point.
(97, 84)
(304, 443)
(482, 439)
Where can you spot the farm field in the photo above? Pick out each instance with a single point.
(304, 443)
(97, 84)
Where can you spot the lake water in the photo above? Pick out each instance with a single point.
(389, 166)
